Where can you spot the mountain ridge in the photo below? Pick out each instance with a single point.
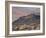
(28, 20)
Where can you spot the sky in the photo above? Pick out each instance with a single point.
(24, 11)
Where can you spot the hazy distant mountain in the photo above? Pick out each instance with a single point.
(28, 20)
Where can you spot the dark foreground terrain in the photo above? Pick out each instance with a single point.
(29, 22)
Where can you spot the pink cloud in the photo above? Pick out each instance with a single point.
(20, 13)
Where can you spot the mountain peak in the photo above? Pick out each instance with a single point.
(27, 19)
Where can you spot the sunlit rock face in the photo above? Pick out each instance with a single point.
(29, 22)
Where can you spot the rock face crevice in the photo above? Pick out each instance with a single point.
(29, 22)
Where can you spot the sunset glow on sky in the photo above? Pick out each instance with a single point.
(20, 13)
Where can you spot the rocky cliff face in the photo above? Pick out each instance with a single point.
(29, 22)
